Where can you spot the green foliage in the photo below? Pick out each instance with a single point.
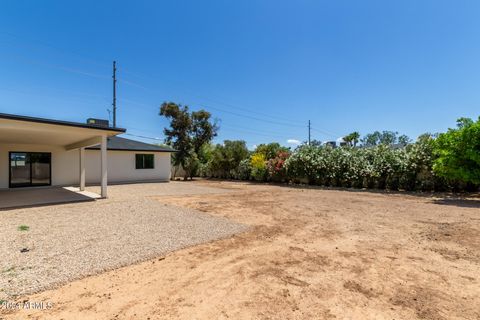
(352, 138)
(270, 150)
(225, 159)
(458, 153)
(314, 142)
(203, 131)
(385, 160)
(384, 137)
(244, 170)
(191, 166)
(23, 228)
(404, 140)
(178, 135)
(381, 167)
(258, 161)
(188, 133)
(205, 153)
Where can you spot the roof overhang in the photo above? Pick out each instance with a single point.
(27, 130)
(135, 150)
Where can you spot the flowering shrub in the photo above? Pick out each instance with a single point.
(276, 166)
(259, 167)
(244, 170)
(380, 166)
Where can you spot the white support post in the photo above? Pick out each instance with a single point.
(82, 168)
(103, 147)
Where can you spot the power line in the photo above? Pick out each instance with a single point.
(252, 117)
(258, 133)
(326, 132)
(270, 116)
(48, 45)
(59, 67)
(143, 137)
(134, 84)
(219, 102)
(54, 97)
(273, 133)
(138, 129)
(289, 123)
(227, 128)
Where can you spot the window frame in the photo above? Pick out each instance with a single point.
(141, 161)
(28, 158)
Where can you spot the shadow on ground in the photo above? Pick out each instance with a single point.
(465, 203)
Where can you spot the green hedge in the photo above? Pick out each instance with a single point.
(383, 166)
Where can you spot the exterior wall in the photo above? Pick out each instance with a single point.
(65, 165)
(121, 166)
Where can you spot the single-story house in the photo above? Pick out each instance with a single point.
(46, 152)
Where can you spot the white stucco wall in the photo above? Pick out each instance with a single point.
(121, 166)
(65, 165)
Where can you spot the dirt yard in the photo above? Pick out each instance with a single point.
(310, 254)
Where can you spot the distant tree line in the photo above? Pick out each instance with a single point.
(381, 160)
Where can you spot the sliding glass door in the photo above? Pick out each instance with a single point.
(28, 169)
(19, 169)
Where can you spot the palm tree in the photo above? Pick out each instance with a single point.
(352, 138)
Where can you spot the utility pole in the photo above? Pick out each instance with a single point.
(114, 103)
(309, 129)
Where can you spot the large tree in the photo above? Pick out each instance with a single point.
(458, 152)
(188, 133)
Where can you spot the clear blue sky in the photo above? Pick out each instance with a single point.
(264, 68)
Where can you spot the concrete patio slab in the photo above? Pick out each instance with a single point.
(31, 197)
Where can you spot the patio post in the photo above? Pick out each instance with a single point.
(103, 147)
(82, 168)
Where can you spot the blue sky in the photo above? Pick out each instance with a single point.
(264, 68)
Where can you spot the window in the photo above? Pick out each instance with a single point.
(29, 169)
(144, 161)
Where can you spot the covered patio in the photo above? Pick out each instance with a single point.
(37, 152)
(32, 197)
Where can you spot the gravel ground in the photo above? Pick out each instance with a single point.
(172, 188)
(71, 241)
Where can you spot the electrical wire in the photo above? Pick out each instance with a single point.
(288, 122)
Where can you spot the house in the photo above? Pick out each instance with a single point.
(46, 152)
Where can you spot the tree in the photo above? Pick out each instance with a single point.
(458, 152)
(352, 138)
(371, 139)
(178, 135)
(404, 140)
(226, 158)
(464, 122)
(388, 137)
(202, 129)
(385, 137)
(270, 150)
(187, 134)
(315, 143)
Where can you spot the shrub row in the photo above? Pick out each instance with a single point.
(378, 167)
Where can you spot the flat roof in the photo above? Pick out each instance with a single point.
(59, 122)
(123, 144)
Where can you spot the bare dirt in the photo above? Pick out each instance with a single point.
(310, 254)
